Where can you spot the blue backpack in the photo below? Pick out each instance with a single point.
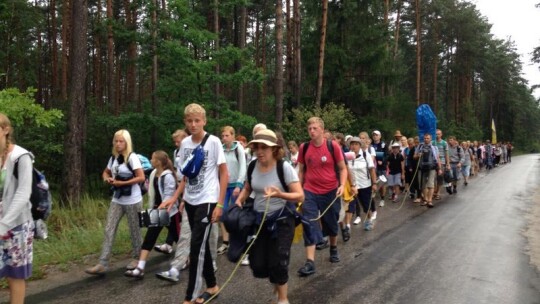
(193, 164)
(147, 169)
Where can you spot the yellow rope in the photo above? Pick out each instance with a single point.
(244, 254)
(408, 188)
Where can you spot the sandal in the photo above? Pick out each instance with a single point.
(205, 296)
(430, 205)
(424, 203)
(416, 201)
(137, 273)
(437, 197)
(164, 248)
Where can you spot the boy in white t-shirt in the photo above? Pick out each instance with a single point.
(203, 200)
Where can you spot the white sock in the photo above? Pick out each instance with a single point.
(349, 226)
(141, 264)
(174, 272)
(374, 215)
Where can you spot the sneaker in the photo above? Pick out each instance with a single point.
(307, 269)
(164, 248)
(334, 256)
(245, 261)
(214, 264)
(346, 234)
(381, 203)
(223, 248)
(97, 270)
(132, 265)
(368, 225)
(449, 190)
(374, 215)
(357, 220)
(168, 276)
(322, 245)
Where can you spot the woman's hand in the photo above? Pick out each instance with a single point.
(236, 192)
(272, 191)
(167, 204)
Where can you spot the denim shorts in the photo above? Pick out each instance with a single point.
(313, 206)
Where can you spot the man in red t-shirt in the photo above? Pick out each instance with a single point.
(317, 173)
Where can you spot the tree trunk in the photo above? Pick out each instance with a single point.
(98, 89)
(131, 73)
(297, 53)
(66, 22)
(110, 58)
(40, 83)
(322, 46)
(418, 54)
(436, 69)
(217, 88)
(154, 68)
(74, 157)
(242, 45)
(263, 65)
(396, 31)
(54, 51)
(290, 29)
(278, 81)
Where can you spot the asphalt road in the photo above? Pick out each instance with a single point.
(468, 249)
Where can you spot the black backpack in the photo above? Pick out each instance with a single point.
(427, 160)
(40, 198)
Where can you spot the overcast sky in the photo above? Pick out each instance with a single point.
(519, 21)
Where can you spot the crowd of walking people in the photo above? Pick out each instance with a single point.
(330, 179)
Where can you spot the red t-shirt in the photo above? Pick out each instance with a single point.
(320, 176)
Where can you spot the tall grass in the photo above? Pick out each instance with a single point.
(76, 235)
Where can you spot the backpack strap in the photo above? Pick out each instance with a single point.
(16, 165)
(367, 166)
(128, 164)
(304, 150)
(205, 138)
(250, 169)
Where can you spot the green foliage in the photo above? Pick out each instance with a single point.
(24, 112)
(36, 129)
(336, 117)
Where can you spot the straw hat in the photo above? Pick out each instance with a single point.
(266, 136)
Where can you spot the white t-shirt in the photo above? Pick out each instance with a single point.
(123, 171)
(359, 169)
(204, 188)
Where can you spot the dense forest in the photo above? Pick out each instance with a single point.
(73, 72)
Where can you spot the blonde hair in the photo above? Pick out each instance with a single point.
(194, 108)
(316, 119)
(228, 129)
(179, 133)
(5, 123)
(129, 145)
